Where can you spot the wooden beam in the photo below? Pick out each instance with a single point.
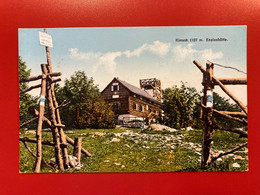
(55, 131)
(207, 117)
(228, 152)
(226, 115)
(29, 121)
(40, 120)
(35, 78)
(30, 88)
(235, 114)
(77, 148)
(70, 141)
(53, 106)
(215, 80)
(30, 151)
(26, 139)
(232, 81)
(240, 132)
(230, 117)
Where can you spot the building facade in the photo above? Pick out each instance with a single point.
(130, 102)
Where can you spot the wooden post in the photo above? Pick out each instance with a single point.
(207, 115)
(37, 167)
(55, 133)
(77, 148)
(57, 114)
(216, 81)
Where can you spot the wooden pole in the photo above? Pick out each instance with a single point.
(215, 80)
(77, 148)
(26, 139)
(229, 116)
(37, 167)
(57, 114)
(235, 114)
(68, 139)
(229, 151)
(55, 132)
(34, 78)
(232, 81)
(207, 115)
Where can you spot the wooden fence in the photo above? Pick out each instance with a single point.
(208, 82)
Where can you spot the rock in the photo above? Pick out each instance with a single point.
(189, 128)
(198, 149)
(156, 127)
(107, 161)
(219, 159)
(83, 134)
(235, 165)
(159, 127)
(99, 133)
(78, 166)
(127, 145)
(184, 143)
(238, 157)
(117, 164)
(120, 127)
(115, 140)
(31, 132)
(73, 162)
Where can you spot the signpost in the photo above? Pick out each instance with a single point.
(45, 39)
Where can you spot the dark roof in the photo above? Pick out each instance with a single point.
(138, 91)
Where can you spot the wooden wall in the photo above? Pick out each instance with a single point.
(151, 107)
(127, 101)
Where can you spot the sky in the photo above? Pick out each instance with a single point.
(134, 53)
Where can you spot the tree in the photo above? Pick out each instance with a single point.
(79, 88)
(80, 91)
(25, 100)
(181, 106)
(96, 113)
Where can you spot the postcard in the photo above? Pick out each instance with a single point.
(133, 99)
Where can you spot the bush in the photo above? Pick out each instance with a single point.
(96, 113)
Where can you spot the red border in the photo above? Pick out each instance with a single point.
(59, 13)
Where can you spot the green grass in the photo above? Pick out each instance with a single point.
(153, 152)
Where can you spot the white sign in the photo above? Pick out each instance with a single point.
(45, 39)
(115, 96)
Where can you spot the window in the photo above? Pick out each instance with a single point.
(115, 87)
(142, 108)
(147, 107)
(136, 106)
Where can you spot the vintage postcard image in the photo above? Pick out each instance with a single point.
(133, 99)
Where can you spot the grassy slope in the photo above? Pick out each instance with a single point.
(154, 152)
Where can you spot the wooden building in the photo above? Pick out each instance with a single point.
(130, 102)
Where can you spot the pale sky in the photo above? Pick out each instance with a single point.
(135, 53)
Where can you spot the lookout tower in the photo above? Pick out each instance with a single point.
(153, 87)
